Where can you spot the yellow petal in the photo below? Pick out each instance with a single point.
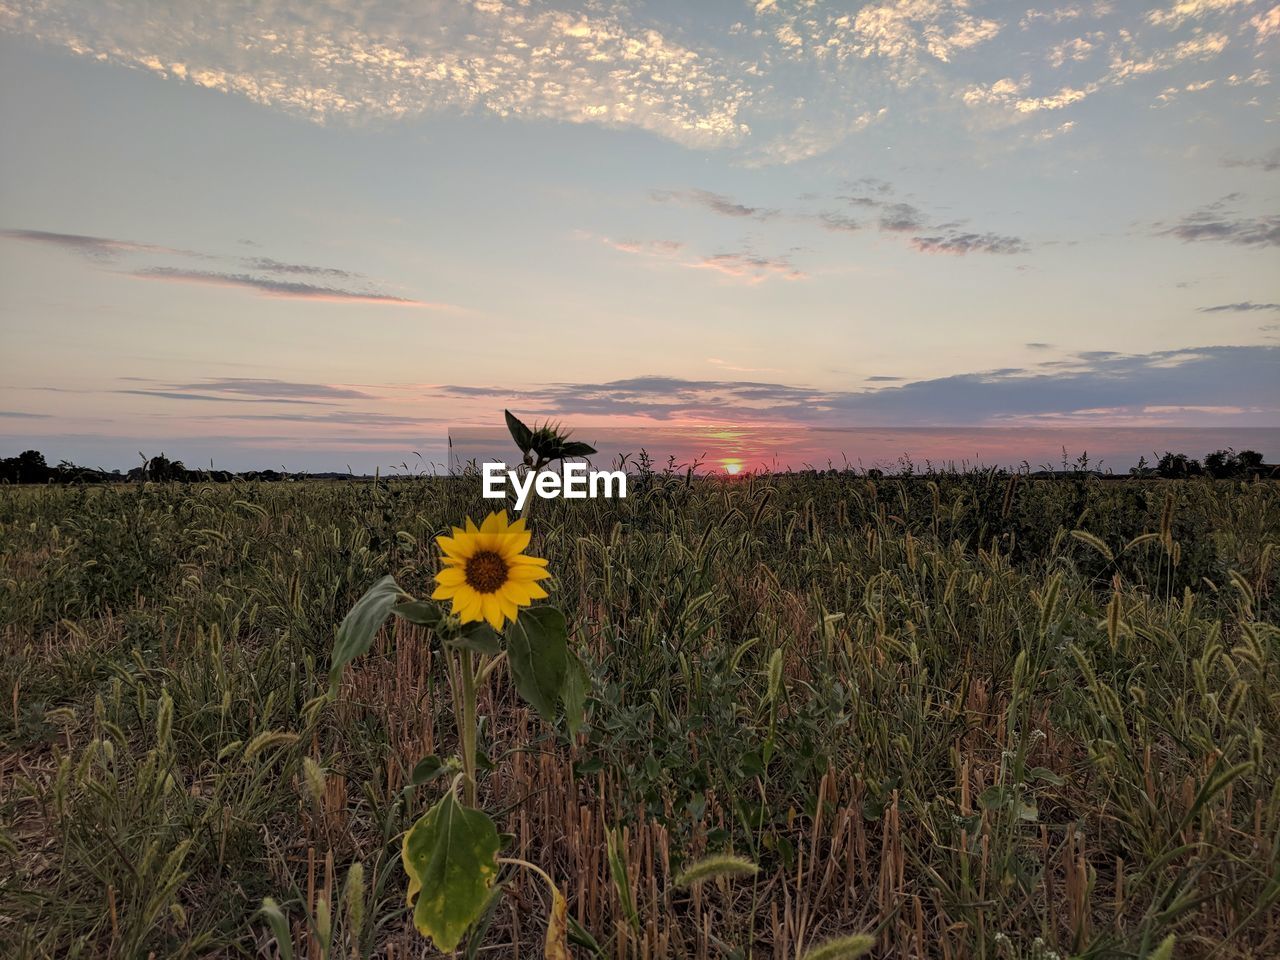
(492, 524)
(492, 611)
(521, 594)
(458, 547)
(508, 608)
(523, 574)
(513, 544)
(470, 608)
(526, 560)
(451, 576)
(443, 592)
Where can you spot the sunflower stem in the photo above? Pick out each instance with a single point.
(468, 731)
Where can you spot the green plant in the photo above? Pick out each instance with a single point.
(451, 853)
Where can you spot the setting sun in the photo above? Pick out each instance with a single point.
(732, 466)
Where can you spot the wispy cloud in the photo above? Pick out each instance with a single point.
(1219, 221)
(1270, 162)
(266, 387)
(1241, 378)
(353, 418)
(743, 266)
(96, 248)
(651, 248)
(116, 254)
(715, 202)
(288, 289)
(895, 216)
(960, 243)
(750, 267)
(192, 395)
(268, 265)
(247, 390)
(1244, 306)
(901, 218)
(834, 220)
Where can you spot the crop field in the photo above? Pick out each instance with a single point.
(974, 716)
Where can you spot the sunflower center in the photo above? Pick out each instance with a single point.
(486, 571)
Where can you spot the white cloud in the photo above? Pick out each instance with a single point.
(331, 61)
(1184, 10)
(1267, 24)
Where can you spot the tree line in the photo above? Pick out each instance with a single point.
(30, 466)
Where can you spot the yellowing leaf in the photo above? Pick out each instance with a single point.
(557, 945)
(450, 855)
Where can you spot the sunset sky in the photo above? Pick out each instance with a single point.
(324, 233)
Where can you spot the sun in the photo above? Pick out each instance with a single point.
(732, 466)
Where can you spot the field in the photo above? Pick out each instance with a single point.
(1014, 718)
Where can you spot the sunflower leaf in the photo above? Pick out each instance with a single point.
(450, 855)
(478, 637)
(521, 434)
(576, 448)
(358, 627)
(427, 769)
(538, 651)
(424, 613)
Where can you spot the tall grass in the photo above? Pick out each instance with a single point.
(979, 716)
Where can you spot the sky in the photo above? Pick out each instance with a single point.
(322, 234)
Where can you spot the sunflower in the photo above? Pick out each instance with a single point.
(486, 573)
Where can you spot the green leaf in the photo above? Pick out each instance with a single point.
(427, 769)
(576, 448)
(359, 626)
(994, 797)
(279, 927)
(477, 636)
(1047, 775)
(616, 855)
(476, 939)
(422, 613)
(538, 651)
(581, 936)
(451, 856)
(521, 434)
(577, 684)
(588, 767)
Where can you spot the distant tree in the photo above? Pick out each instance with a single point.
(1250, 461)
(1176, 465)
(27, 467)
(1230, 465)
(163, 470)
(1220, 464)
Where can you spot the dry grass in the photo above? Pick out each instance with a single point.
(992, 739)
